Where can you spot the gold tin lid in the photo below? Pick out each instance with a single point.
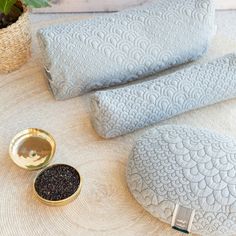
(32, 149)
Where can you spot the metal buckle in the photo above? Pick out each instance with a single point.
(182, 219)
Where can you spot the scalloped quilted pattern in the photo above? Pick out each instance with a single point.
(121, 47)
(195, 168)
(120, 111)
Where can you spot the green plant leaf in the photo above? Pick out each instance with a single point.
(36, 3)
(6, 6)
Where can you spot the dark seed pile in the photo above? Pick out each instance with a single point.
(57, 182)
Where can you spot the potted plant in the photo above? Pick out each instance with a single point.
(15, 35)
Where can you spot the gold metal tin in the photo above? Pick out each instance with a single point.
(60, 202)
(32, 149)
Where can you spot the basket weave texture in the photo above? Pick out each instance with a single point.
(15, 44)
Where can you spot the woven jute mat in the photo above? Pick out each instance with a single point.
(105, 205)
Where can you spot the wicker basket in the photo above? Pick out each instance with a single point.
(15, 44)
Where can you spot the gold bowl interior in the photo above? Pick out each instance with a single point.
(32, 149)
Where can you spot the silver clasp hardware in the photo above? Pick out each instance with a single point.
(182, 219)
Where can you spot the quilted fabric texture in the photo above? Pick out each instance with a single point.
(120, 111)
(195, 168)
(121, 47)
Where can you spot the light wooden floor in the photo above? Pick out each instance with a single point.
(105, 206)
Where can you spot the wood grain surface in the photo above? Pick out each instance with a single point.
(105, 206)
(90, 5)
(225, 4)
(110, 5)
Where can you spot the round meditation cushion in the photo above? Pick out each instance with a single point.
(186, 177)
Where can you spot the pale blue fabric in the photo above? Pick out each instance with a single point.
(120, 111)
(192, 167)
(125, 46)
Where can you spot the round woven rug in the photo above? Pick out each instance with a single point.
(105, 205)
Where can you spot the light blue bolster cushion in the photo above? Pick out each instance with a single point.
(120, 47)
(120, 111)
